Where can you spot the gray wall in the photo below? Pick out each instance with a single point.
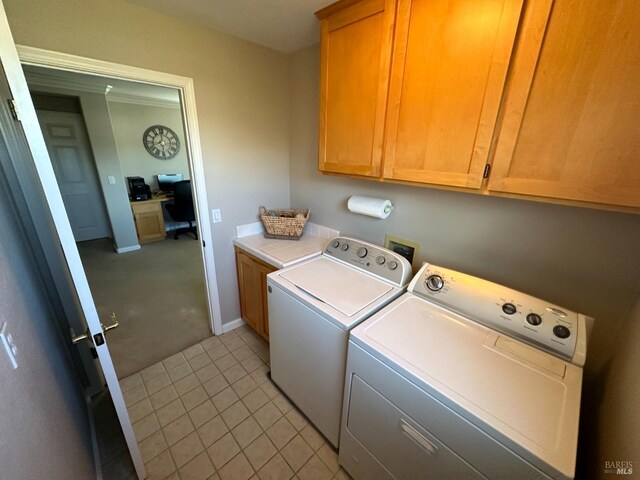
(105, 151)
(615, 428)
(583, 259)
(43, 416)
(129, 121)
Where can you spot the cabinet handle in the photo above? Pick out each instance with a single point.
(418, 438)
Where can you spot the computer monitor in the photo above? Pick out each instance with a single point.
(166, 181)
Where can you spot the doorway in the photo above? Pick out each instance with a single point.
(158, 290)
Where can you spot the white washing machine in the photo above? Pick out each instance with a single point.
(312, 307)
(461, 378)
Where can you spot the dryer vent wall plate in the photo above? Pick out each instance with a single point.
(407, 248)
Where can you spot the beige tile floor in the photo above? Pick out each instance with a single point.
(211, 412)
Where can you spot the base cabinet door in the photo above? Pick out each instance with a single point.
(570, 128)
(252, 287)
(149, 221)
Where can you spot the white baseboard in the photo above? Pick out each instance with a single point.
(132, 248)
(232, 325)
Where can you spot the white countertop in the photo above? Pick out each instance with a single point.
(282, 253)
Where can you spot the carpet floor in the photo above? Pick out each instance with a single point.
(158, 294)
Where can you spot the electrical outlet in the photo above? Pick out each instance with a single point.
(217, 216)
(112, 180)
(9, 345)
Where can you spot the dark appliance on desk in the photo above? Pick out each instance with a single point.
(166, 182)
(138, 190)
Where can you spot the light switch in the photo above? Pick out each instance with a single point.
(9, 345)
(112, 180)
(217, 216)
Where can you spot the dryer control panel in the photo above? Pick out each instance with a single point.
(539, 323)
(371, 258)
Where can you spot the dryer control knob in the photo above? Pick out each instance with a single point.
(561, 331)
(335, 244)
(434, 283)
(380, 260)
(345, 247)
(509, 308)
(362, 252)
(534, 319)
(392, 265)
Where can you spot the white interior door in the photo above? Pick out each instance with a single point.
(70, 151)
(38, 149)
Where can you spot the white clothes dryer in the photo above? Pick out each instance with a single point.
(461, 378)
(312, 307)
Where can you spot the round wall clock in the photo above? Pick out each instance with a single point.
(161, 142)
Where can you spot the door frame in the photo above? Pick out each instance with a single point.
(73, 63)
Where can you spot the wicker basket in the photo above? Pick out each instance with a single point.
(284, 224)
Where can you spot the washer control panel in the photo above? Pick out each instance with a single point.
(534, 321)
(371, 258)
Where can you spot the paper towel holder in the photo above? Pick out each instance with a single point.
(373, 207)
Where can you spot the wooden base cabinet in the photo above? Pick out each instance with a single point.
(252, 286)
(149, 220)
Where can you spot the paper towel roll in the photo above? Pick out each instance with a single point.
(374, 207)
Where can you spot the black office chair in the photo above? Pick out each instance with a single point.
(181, 210)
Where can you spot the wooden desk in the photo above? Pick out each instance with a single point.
(149, 219)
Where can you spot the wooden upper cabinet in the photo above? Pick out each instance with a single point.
(450, 60)
(354, 78)
(571, 128)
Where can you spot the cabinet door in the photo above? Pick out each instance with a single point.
(252, 286)
(570, 128)
(149, 221)
(449, 65)
(354, 76)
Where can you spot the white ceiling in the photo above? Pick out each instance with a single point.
(120, 90)
(283, 25)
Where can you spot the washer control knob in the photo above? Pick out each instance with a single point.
(509, 308)
(434, 283)
(534, 319)
(362, 252)
(392, 265)
(380, 260)
(345, 247)
(335, 244)
(561, 331)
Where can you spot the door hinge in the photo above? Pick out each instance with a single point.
(487, 169)
(204, 245)
(14, 109)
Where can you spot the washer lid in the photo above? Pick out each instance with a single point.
(339, 286)
(529, 396)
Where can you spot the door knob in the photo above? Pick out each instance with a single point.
(75, 339)
(114, 324)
